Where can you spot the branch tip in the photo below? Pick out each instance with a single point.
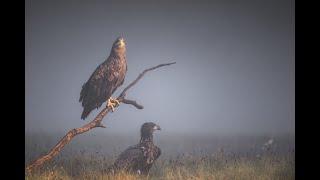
(101, 125)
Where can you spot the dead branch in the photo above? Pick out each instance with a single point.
(96, 122)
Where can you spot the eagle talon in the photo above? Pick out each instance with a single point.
(112, 103)
(116, 101)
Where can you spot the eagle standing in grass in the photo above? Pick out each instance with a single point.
(139, 158)
(107, 77)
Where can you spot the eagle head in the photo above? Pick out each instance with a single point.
(148, 128)
(120, 43)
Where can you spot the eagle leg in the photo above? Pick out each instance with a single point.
(112, 103)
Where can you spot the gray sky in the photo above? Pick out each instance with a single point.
(234, 72)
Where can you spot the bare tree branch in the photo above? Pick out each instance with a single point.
(96, 122)
(134, 103)
(123, 94)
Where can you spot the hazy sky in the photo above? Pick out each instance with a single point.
(234, 72)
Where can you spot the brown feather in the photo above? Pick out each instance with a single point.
(104, 81)
(139, 157)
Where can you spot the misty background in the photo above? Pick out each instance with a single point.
(235, 70)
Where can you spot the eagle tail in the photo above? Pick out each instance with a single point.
(85, 113)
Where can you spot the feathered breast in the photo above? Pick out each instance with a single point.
(107, 77)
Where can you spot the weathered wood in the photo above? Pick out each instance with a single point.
(96, 122)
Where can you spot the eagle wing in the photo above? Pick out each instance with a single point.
(100, 86)
(135, 159)
(131, 159)
(156, 152)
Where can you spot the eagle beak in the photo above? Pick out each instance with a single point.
(156, 127)
(122, 42)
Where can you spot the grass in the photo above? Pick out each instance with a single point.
(181, 168)
(214, 164)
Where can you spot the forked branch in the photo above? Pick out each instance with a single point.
(96, 122)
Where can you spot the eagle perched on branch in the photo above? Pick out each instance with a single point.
(139, 158)
(107, 77)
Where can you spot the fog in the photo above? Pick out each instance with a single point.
(235, 70)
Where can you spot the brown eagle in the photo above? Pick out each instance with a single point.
(107, 77)
(138, 158)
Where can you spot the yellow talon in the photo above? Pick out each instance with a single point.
(112, 103)
(115, 101)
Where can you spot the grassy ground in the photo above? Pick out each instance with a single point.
(215, 164)
(185, 168)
